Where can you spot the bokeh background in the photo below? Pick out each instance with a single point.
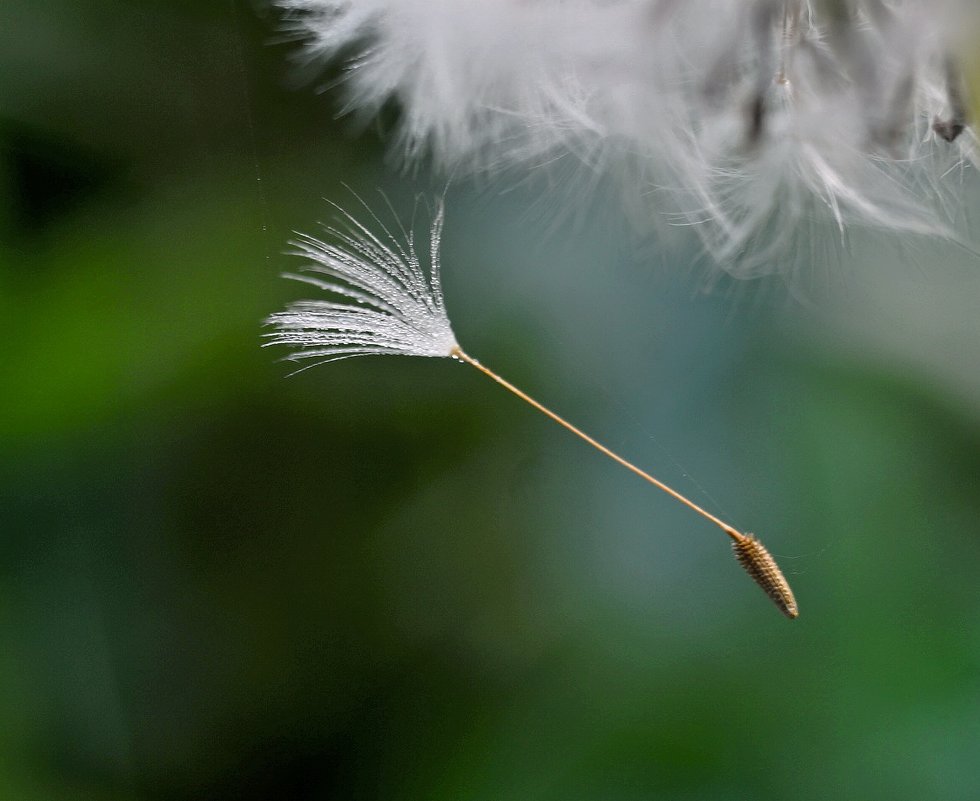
(388, 579)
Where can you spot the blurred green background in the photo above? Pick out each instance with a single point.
(388, 579)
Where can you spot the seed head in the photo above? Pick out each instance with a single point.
(757, 123)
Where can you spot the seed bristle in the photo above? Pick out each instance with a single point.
(759, 564)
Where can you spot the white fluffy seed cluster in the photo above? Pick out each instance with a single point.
(386, 302)
(752, 121)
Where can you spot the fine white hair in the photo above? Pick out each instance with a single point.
(383, 299)
(752, 121)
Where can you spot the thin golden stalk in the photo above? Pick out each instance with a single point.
(731, 531)
(751, 554)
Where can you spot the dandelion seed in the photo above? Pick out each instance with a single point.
(759, 564)
(386, 302)
(754, 122)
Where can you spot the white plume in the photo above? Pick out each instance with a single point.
(750, 120)
(386, 301)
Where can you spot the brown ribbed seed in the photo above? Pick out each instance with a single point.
(760, 565)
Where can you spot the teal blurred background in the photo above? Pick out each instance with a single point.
(388, 579)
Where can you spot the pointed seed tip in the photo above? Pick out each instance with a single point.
(763, 570)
